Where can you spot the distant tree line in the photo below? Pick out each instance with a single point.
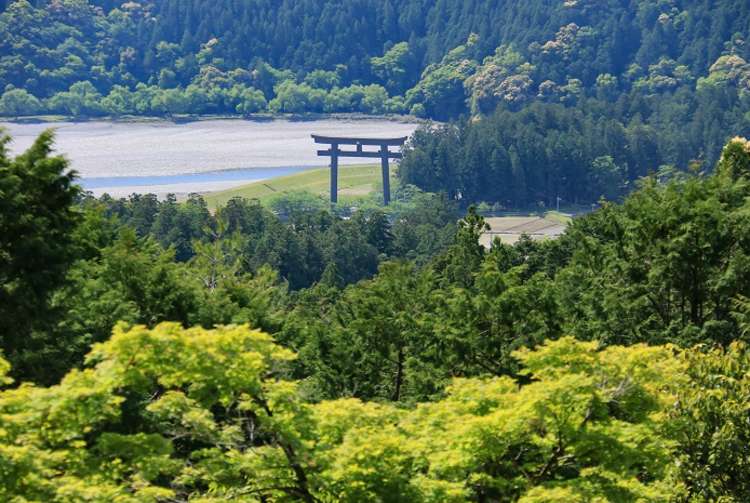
(434, 59)
(83, 100)
(580, 153)
(303, 240)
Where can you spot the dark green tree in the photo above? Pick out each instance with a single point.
(38, 220)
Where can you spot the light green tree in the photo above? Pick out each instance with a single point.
(194, 414)
(17, 102)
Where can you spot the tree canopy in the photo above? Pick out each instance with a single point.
(154, 350)
(441, 59)
(192, 414)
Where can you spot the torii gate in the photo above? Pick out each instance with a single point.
(334, 153)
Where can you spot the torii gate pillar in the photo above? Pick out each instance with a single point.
(384, 154)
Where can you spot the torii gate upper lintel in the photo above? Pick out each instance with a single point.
(384, 154)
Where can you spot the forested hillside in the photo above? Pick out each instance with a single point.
(577, 99)
(372, 356)
(155, 351)
(580, 154)
(439, 59)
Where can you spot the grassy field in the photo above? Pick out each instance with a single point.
(354, 181)
(558, 216)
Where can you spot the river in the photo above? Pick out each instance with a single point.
(120, 158)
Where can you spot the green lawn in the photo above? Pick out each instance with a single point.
(358, 180)
(559, 216)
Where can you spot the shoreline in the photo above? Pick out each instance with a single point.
(189, 118)
(185, 183)
(207, 154)
(305, 179)
(144, 147)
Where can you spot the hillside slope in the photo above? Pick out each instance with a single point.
(235, 56)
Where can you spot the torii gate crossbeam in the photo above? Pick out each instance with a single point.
(384, 154)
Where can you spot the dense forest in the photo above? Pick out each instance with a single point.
(515, 49)
(531, 157)
(439, 59)
(372, 355)
(154, 350)
(547, 99)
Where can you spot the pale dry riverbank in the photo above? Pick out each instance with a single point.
(122, 157)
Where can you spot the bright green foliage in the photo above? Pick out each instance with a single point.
(136, 281)
(146, 261)
(395, 67)
(297, 98)
(200, 414)
(735, 159)
(476, 393)
(586, 428)
(18, 102)
(322, 79)
(441, 88)
(82, 99)
(164, 405)
(663, 76)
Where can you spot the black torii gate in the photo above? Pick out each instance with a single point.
(334, 153)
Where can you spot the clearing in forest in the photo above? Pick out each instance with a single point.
(356, 180)
(510, 228)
